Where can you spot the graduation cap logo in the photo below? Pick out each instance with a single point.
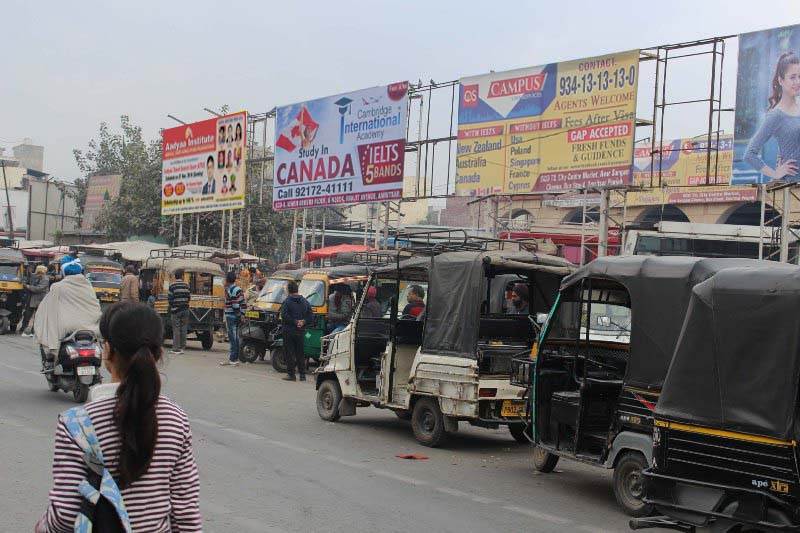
(343, 104)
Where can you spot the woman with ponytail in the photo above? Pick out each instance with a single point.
(145, 438)
(782, 121)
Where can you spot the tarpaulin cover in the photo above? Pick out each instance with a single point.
(457, 288)
(660, 289)
(11, 255)
(332, 251)
(737, 363)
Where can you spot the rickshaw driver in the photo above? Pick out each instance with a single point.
(416, 303)
(519, 300)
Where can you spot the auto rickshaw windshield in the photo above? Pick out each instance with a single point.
(313, 290)
(104, 277)
(274, 291)
(609, 318)
(9, 272)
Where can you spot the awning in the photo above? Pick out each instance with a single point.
(333, 251)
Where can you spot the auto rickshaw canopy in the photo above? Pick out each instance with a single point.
(737, 362)
(659, 289)
(173, 264)
(458, 286)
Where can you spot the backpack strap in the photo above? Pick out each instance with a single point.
(79, 425)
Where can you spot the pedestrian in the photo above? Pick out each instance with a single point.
(179, 297)
(296, 314)
(234, 309)
(129, 289)
(37, 288)
(137, 436)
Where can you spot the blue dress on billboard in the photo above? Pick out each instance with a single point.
(209, 187)
(785, 129)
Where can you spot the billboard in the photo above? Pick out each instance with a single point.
(555, 127)
(343, 149)
(100, 190)
(203, 165)
(766, 126)
(683, 166)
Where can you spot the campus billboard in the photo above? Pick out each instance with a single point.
(683, 166)
(549, 128)
(343, 149)
(766, 121)
(101, 190)
(203, 165)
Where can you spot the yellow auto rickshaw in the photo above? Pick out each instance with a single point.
(12, 290)
(104, 273)
(205, 279)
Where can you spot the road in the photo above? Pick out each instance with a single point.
(268, 463)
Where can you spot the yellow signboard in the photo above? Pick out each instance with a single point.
(550, 128)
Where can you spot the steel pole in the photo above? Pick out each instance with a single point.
(602, 241)
(8, 202)
(762, 193)
(784, 258)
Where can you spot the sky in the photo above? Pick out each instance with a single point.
(68, 66)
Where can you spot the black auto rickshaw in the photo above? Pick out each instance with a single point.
(602, 357)
(727, 424)
(12, 289)
(261, 325)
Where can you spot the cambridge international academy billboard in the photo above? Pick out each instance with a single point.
(203, 165)
(767, 122)
(555, 127)
(343, 149)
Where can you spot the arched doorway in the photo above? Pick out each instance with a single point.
(575, 216)
(657, 213)
(749, 214)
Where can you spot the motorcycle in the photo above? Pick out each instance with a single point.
(76, 367)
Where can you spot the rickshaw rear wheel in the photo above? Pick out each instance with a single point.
(278, 358)
(250, 352)
(329, 395)
(544, 461)
(427, 422)
(206, 339)
(629, 484)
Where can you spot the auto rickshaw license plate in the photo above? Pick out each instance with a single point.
(512, 409)
(252, 314)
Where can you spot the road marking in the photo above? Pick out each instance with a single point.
(461, 494)
(12, 367)
(538, 515)
(531, 513)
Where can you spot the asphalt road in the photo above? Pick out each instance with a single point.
(268, 463)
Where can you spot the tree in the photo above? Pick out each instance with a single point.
(137, 209)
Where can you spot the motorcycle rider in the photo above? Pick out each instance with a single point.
(71, 305)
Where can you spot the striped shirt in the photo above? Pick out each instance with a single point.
(234, 301)
(164, 499)
(179, 296)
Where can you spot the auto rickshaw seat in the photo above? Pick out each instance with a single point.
(565, 407)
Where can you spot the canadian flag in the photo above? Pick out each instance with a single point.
(301, 131)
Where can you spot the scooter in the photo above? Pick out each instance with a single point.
(76, 367)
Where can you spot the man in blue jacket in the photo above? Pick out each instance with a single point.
(296, 314)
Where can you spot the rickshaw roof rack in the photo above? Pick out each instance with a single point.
(174, 253)
(378, 258)
(12, 255)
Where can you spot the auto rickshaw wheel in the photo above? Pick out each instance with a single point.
(206, 339)
(278, 358)
(629, 484)
(427, 422)
(544, 461)
(329, 395)
(250, 352)
(5, 325)
(521, 433)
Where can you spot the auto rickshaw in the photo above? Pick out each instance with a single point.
(205, 279)
(451, 361)
(12, 289)
(261, 325)
(316, 286)
(105, 274)
(602, 358)
(727, 424)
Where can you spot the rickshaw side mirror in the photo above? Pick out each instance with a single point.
(604, 321)
(541, 318)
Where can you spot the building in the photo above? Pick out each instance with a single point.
(29, 155)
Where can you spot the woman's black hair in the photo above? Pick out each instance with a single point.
(786, 59)
(134, 333)
(210, 158)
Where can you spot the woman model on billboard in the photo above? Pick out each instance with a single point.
(782, 121)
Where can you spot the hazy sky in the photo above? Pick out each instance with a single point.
(70, 65)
